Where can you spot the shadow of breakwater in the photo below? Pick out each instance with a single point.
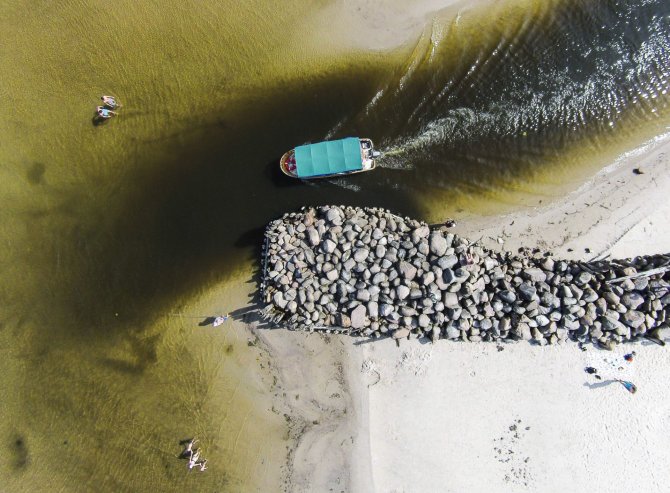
(177, 226)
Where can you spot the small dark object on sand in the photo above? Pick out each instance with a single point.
(638, 171)
(629, 357)
(590, 370)
(598, 377)
(449, 223)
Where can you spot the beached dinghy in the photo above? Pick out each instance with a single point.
(331, 158)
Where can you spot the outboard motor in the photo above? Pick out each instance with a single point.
(376, 154)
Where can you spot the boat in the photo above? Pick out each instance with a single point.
(329, 158)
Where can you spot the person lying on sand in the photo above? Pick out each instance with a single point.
(194, 458)
(187, 453)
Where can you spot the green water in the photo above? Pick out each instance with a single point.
(116, 237)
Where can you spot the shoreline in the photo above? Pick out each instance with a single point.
(610, 216)
(486, 389)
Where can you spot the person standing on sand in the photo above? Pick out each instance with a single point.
(630, 387)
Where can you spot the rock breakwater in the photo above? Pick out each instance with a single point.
(373, 273)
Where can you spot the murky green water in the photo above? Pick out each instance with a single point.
(110, 230)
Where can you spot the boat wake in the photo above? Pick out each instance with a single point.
(517, 96)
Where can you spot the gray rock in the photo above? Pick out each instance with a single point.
(584, 278)
(334, 215)
(527, 291)
(632, 300)
(373, 309)
(438, 245)
(278, 299)
(328, 246)
(523, 332)
(380, 251)
(379, 278)
(447, 262)
(589, 295)
(611, 298)
(385, 309)
(633, 318)
(313, 236)
(507, 296)
(419, 233)
(343, 320)
(401, 333)
(424, 320)
(415, 293)
(448, 276)
(358, 317)
(331, 275)
(452, 332)
(450, 300)
(534, 274)
(407, 270)
(548, 264)
(565, 292)
(361, 254)
(610, 324)
(363, 295)
(407, 311)
(428, 278)
(402, 292)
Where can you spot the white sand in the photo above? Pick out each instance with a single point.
(441, 416)
(380, 24)
(473, 417)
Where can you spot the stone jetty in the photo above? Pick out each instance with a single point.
(372, 273)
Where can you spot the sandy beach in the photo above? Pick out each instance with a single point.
(511, 417)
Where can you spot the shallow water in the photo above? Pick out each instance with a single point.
(111, 230)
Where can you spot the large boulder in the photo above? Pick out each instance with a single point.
(419, 233)
(438, 245)
(407, 270)
(358, 317)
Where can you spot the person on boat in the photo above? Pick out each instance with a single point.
(291, 162)
(109, 101)
(105, 112)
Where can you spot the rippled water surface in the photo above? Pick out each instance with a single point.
(115, 235)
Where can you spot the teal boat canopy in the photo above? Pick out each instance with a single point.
(327, 158)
